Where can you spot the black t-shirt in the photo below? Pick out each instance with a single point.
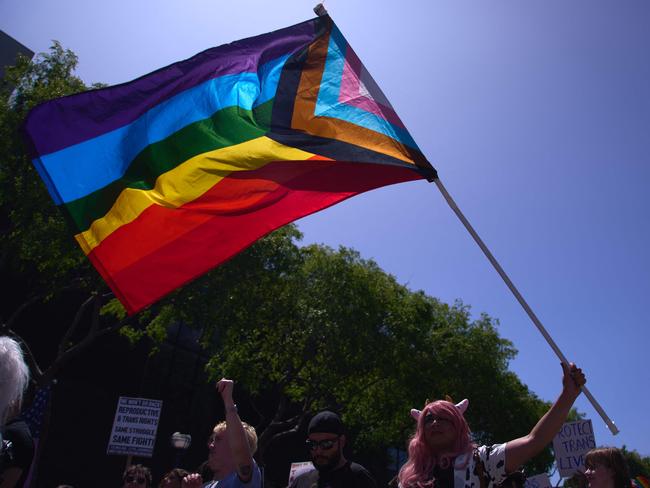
(443, 477)
(22, 446)
(350, 475)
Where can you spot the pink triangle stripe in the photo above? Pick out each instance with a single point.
(354, 94)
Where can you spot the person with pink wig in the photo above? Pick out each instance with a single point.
(442, 454)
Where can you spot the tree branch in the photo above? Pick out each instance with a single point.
(94, 333)
(9, 323)
(75, 323)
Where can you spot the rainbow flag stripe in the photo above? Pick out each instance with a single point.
(640, 482)
(169, 175)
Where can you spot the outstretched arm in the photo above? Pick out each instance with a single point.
(519, 451)
(239, 447)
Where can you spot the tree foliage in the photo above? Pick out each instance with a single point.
(37, 253)
(639, 465)
(35, 239)
(300, 328)
(305, 328)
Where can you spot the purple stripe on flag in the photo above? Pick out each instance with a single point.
(73, 119)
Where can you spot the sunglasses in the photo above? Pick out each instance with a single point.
(430, 419)
(140, 479)
(323, 445)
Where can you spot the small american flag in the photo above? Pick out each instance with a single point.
(34, 415)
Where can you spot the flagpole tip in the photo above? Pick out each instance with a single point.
(320, 10)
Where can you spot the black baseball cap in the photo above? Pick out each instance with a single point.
(326, 422)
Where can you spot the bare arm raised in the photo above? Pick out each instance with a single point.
(520, 451)
(237, 438)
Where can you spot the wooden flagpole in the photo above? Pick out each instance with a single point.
(610, 424)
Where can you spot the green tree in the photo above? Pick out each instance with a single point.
(307, 328)
(639, 465)
(37, 252)
(300, 328)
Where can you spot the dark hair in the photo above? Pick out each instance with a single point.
(176, 473)
(578, 480)
(136, 469)
(611, 458)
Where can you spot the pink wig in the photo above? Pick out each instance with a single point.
(422, 459)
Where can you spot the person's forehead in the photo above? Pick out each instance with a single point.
(438, 412)
(218, 437)
(321, 436)
(439, 415)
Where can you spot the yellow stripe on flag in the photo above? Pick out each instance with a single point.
(186, 182)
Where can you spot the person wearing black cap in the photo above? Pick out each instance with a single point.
(326, 440)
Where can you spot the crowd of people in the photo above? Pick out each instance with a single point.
(441, 453)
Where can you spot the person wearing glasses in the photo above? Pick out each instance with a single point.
(326, 440)
(230, 449)
(136, 476)
(442, 454)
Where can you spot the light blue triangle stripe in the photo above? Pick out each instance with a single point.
(328, 104)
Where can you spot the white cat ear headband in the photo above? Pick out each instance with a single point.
(461, 406)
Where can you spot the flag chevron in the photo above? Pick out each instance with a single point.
(167, 176)
(344, 97)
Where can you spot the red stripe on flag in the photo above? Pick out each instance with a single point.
(165, 248)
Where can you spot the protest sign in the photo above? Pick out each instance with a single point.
(299, 468)
(134, 427)
(538, 481)
(571, 444)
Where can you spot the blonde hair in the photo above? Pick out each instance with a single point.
(251, 435)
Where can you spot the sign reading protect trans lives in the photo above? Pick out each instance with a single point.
(571, 444)
(134, 427)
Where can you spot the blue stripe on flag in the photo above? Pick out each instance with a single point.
(78, 170)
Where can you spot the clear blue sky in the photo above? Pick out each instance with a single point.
(536, 115)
